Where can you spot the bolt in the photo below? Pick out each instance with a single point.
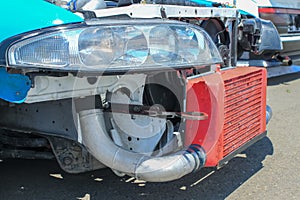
(136, 109)
(67, 160)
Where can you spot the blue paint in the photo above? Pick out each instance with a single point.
(202, 3)
(13, 87)
(19, 16)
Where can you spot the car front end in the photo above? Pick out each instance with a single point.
(147, 98)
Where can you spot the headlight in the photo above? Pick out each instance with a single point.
(115, 47)
(107, 46)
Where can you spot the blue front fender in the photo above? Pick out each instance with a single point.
(13, 87)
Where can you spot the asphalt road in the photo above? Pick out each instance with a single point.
(267, 170)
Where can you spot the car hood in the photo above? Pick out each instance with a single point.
(19, 16)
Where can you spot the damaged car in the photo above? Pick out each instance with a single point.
(141, 88)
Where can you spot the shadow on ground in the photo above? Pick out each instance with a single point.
(31, 179)
(283, 79)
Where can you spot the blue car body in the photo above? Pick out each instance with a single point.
(20, 17)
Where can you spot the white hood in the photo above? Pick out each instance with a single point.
(279, 3)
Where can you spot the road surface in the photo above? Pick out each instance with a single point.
(267, 170)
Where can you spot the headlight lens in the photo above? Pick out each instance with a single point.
(162, 44)
(39, 52)
(98, 46)
(117, 48)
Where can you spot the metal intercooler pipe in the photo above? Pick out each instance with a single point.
(142, 167)
(268, 114)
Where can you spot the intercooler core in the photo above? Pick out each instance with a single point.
(237, 111)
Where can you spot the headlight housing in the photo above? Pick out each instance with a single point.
(115, 46)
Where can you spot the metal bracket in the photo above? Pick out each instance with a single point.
(152, 111)
(73, 157)
(148, 11)
(47, 118)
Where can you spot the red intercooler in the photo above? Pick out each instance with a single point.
(235, 101)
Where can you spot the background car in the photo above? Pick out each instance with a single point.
(286, 17)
